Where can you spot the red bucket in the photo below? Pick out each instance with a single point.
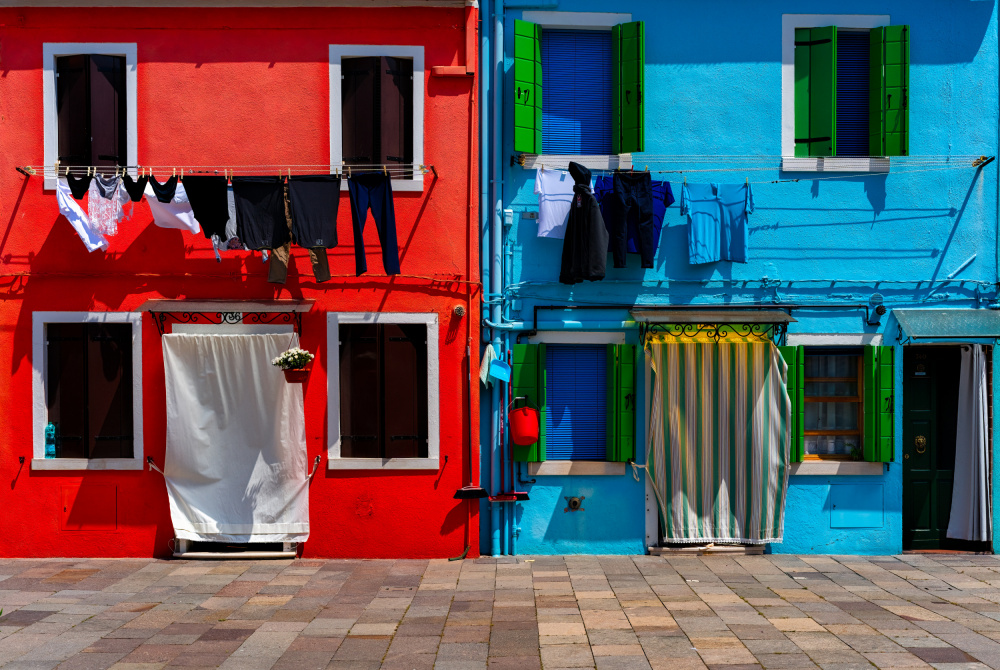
(523, 424)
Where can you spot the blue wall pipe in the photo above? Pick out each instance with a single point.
(496, 228)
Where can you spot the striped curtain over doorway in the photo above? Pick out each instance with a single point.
(718, 440)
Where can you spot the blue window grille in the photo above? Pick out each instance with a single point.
(576, 99)
(576, 402)
(852, 93)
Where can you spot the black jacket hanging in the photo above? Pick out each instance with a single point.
(585, 247)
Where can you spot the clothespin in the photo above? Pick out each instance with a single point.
(174, 172)
(348, 171)
(647, 168)
(385, 170)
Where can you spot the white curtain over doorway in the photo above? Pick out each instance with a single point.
(971, 517)
(236, 463)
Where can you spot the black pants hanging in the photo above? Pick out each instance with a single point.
(374, 191)
(632, 205)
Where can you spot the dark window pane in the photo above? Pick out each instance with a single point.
(404, 373)
(109, 390)
(66, 369)
(107, 110)
(359, 96)
(360, 423)
(73, 109)
(397, 111)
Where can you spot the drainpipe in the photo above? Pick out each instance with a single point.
(496, 229)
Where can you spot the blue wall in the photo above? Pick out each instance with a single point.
(713, 73)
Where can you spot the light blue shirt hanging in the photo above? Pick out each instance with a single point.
(717, 214)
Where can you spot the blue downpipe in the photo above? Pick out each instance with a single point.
(496, 229)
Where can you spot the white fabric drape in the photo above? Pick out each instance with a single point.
(236, 463)
(971, 517)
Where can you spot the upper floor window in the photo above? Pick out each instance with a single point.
(579, 91)
(377, 111)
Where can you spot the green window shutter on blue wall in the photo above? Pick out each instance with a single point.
(528, 381)
(628, 87)
(816, 91)
(795, 357)
(889, 82)
(879, 404)
(621, 402)
(527, 94)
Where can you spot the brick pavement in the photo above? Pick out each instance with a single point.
(732, 612)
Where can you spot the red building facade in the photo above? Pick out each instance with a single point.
(244, 91)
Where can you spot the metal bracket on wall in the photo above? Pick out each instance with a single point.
(261, 318)
(899, 335)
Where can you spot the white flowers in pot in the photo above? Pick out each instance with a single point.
(293, 359)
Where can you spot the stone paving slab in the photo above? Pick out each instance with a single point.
(524, 613)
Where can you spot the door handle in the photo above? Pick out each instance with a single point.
(920, 442)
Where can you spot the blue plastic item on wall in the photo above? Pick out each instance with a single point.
(499, 370)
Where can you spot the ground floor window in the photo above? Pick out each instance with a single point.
(834, 401)
(576, 398)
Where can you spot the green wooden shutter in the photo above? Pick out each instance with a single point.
(889, 83)
(621, 402)
(527, 87)
(816, 91)
(795, 358)
(628, 131)
(879, 404)
(528, 381)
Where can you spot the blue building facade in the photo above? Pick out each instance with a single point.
(885, 262)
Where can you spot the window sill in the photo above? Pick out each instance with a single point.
(835, 164)
(827, 468)
(86, 464)
(382, 464)
(591, 161)
(599, 468)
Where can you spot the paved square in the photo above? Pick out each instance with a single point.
(524, 613)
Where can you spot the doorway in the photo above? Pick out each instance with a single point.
(931, 377)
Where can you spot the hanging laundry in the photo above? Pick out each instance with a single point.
(314, 201)
(176, 212)
(374, 191)
(555, 195)
(78, 186)
(134, 188)
(489, 355)
(104, 204)
(92, 239)
(277, 271)
(585, 247)
(626, 214)
(209, 200)
(717, 214)
(260, 212)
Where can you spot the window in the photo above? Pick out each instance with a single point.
(591, 100)
(850, 90)
(377, 109)
(88, 399)
(383, 391)
(89, 105)
(842, 402)
(586, 398)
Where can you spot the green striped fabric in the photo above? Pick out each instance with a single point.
(719, 441)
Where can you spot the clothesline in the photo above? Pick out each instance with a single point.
(286, 169)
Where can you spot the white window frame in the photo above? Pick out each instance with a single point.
(334, 461)
(416, 53)
(52, 50)
(789, 161)
(578, 21)
(39, 391)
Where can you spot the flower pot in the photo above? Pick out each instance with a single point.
(296, 376)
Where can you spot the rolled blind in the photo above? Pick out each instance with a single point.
(852, 93)
(576, 395)
(576, 108)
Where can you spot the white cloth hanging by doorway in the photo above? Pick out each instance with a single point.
(971, 516)
(236, 464)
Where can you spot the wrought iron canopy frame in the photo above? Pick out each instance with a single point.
(776, 332)
(232, 318)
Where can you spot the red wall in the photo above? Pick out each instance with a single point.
(236, 87)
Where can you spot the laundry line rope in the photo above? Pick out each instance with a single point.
(283, 169)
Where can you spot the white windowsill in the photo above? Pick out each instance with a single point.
(599, 468)
(382, 464)
(828, 468)
(878, 165)
(590, 161)
(86, 464)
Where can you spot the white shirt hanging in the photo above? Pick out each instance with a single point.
(174, 214)
(555, 195)
(68, 207)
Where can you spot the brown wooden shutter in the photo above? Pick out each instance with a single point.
(404, 374)
(73, 110)
(66, 372)
(359, 97)
(107, 110)
(109, 390)
(396, 132)
(360, 381)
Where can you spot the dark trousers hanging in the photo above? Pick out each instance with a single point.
(277, 267)
(633, 208)
(374, 191)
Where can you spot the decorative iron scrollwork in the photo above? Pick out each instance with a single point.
(774, 332)
(227, 318)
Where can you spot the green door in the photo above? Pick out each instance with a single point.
(930, 414)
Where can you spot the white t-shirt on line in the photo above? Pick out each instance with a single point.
(555, 197)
